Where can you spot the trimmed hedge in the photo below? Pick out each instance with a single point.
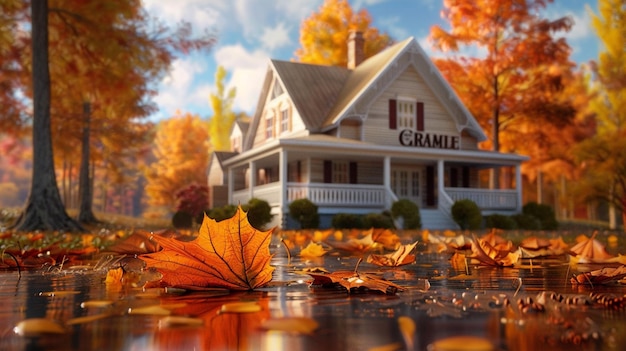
(410, 213)
(466, 214)
(304, 212)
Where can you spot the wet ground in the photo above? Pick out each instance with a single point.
(532, 307)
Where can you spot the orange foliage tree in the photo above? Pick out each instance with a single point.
(515, 85)
(182, 157)
(105, 58)
(324, 35)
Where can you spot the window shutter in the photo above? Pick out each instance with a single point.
(420, 116)
(392, 114)
(466, 177)
(298, 172)
(430, 186)
(328, 171)
(353, 175)
(454, 177)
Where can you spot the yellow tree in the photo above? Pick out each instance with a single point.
(518, 80)
(180, 150)
(603, 156)
(324, 35)
(223, 115)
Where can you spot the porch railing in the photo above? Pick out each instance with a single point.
(486, 199)
(323, 194)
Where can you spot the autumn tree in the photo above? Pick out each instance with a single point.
(107, 57)
(516, 85)
(603, 157)
(180, 150)
(324, 35)
(223, 116)
(44, 209)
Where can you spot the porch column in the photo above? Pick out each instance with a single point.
(252, 167)
(231, 184)
(282, 178)
(387, 178)
(440, 178)
(518, 186)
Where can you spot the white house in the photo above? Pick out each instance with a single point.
(356, 139)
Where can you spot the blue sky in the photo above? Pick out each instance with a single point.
(250, 32)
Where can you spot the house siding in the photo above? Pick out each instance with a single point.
(408, 85)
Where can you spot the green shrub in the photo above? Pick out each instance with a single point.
(259, 213)
(378, 220)
(347, 221)
(222, 213)
(544, 213)
(467, 214)
(304, 212)
(500, 221)
(409, 211)
(526, 221)
(182, 219)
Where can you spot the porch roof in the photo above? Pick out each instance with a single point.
(330, 145)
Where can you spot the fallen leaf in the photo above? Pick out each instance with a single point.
(407, 329)
(590, 250)
(600, 276)
(486, 254)
(240, 307)
(298, 325)
(535, 243)
(87, 319)
(150, 310)
(352, 281)
(401, 256)
(313, 250)
(472, 343)
(385, 237)
(174, 321)
(363, 244)
(229, 254)
(38, 326)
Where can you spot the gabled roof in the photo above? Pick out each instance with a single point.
(312, 88)
(361, 78)
(323, 95)
(243, 125)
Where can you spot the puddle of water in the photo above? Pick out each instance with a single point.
(471, 302)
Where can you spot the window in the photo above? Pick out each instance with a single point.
(269, 126)
(284, 120)
(340, 172)
(406, 114)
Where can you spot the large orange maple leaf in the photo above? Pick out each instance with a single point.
(227, 254)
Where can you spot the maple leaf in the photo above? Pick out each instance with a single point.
(352, 280)
(486, 254)
(399, 257)
(313, 250)
(228, 254)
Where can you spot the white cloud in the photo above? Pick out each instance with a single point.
(176, 90)
(200, 13)
(247, 72)
(276, 37)
(393, 25)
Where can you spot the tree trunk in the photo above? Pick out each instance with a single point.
(85, 198)
(44, 209)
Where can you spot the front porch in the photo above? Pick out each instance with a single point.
(363, 199)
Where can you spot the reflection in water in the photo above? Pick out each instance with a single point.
(478, 301)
